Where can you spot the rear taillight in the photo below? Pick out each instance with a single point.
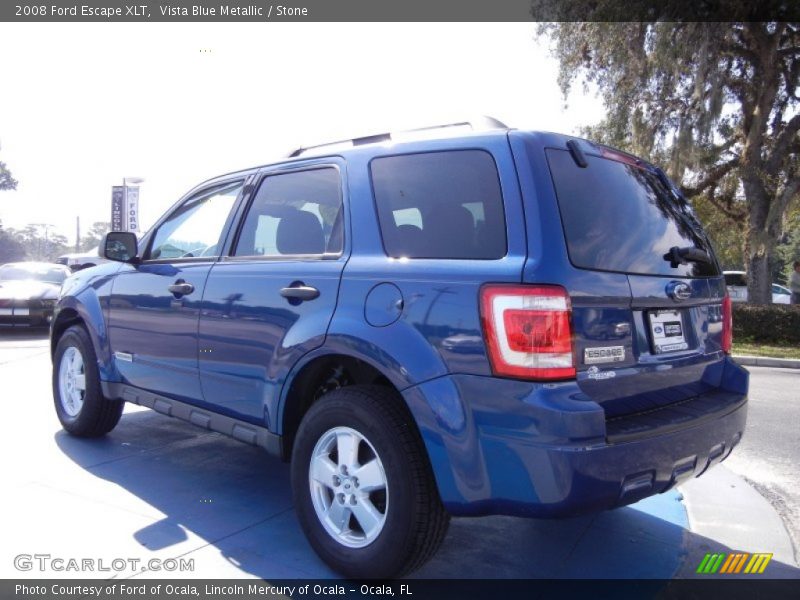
(727, 324)
(528, 331)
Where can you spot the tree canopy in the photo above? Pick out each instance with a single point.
(11, 249)
(34, 242)
(7, 182)
(94, 235)
(714, 103)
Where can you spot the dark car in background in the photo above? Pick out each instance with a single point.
(28, 292)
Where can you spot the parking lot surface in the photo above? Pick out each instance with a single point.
(156, 488)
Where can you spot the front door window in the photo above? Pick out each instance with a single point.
(194, 230)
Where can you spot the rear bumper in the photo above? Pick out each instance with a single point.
(508, 447)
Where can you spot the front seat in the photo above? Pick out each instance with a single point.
(300, 232)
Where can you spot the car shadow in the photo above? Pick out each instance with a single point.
(206, 496)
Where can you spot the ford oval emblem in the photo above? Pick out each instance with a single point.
(677, 290)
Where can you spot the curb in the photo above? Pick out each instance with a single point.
(727, 514)
(767, 361)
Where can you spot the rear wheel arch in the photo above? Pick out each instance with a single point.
(318, 376)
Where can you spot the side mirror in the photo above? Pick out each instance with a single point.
(120, 246)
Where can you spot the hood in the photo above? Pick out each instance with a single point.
(27, 289)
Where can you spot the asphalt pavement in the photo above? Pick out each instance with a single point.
(769, 454)
(156, 488)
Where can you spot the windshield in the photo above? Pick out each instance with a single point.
(621, 217)
(21, 273)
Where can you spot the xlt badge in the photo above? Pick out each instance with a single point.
(604, 354)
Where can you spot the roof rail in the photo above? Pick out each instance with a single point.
(482, 123)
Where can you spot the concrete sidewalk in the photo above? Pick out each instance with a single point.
(767, 361)
(726, 514)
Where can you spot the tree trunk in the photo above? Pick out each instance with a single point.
(759, 278)
(761, 238)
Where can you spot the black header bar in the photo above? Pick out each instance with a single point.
(396, 10)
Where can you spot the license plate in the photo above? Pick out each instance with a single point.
(666, 329)
(605, 354)
(17, 312)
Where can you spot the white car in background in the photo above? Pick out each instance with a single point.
(81, 260)
(781, 295)
(736, 281)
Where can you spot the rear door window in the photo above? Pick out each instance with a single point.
(621, 217)
(440, 205)
(295, 214)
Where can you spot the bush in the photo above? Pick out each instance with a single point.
(777, 324)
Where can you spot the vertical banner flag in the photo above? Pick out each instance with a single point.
(132, 210)
(117, 208)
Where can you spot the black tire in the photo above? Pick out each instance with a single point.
(415, 522)
(96, 415)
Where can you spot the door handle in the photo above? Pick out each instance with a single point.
(181, 288)
(300, 292)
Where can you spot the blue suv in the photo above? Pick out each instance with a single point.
(490, 322)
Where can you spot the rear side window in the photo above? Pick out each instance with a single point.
(620, 217)
(294, 214)
(440, 205)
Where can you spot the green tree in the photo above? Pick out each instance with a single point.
(11, 249)
(727, 235)
(94, 235)
(41, 243)
(788, 250)
(714, 102)
(7, 182)
(57, 245)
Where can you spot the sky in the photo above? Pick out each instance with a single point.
(85, 104)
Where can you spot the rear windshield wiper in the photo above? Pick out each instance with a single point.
(682, 256)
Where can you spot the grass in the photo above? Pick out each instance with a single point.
(746, 348)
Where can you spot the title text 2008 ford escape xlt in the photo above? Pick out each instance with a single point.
(494, 322)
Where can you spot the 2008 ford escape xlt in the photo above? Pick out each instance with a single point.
(494, 322)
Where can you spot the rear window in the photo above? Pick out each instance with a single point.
(440, 205)
(781, 291)
(620, 217)
(737, 279)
